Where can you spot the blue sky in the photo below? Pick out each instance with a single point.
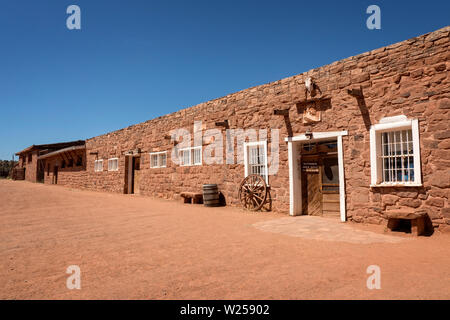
(137, 60)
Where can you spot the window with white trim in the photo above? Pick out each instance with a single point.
(98, 165)
(158, 159)
(255, 158)
(113, 164)
(191, 156)
(395, 152)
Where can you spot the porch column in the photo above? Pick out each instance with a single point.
(295, 187)
(341, 180)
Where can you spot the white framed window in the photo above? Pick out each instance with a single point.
(98, 165)
(395, 152)
(113, 164)
(158, 159)
(255, 159)
(191, 156)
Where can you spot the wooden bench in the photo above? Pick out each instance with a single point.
(192, 197)
(417, 219)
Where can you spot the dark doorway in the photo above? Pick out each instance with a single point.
(132, 174)
(55, 175)
(40, 171)
(320, 179)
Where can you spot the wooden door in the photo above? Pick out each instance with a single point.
(314, 196)
(129, 175)
(311, 193)
(330, 186)
(136, 174)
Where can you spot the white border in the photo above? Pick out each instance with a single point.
(98, 161)
(387, 125)
(111, 159)
(191, 156)
(158, 159)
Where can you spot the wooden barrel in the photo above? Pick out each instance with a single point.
(211, 195)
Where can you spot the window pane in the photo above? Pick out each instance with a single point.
(197, 156)
(397, 156)
(186, 157)
(163, 160)
(257, 160)
(154, 160)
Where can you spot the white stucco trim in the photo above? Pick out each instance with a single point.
(295, 186)
(393, 124)
(317, 136)
(341, 180)
(256, 143)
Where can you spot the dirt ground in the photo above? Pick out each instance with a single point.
(132, 247)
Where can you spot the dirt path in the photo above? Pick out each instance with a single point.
(132, 247)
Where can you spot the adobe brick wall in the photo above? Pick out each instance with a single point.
(407, 78)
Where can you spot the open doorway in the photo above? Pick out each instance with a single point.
(316, 174)
(320, 179)
(55, 175)
(132, 176)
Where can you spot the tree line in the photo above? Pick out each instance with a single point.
(5, 167)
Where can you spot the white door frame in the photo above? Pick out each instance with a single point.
(295, 185)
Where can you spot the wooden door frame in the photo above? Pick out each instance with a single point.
(129, 174)
(295, 185)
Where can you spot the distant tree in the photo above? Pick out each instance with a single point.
(5, 167)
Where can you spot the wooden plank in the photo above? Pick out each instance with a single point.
(331, 214)
(314, 195)
(331, 206)
(331, 197)
(279, 112)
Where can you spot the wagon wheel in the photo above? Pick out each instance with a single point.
(253, 192)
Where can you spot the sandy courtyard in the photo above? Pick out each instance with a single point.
(131, 247)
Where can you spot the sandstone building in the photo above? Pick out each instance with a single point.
(31, 165)
(370, 136)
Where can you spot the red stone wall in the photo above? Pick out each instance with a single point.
(409, 78)
(30, 167)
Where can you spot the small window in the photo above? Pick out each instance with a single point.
(255, 157)
(395, 154)
(70, 164)
(191, 156)
(113, 164)
(79, 162)
(154, 161)
(98, 165)
(163, 160)
(158, 159)
(63, 164)
(185, 157)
